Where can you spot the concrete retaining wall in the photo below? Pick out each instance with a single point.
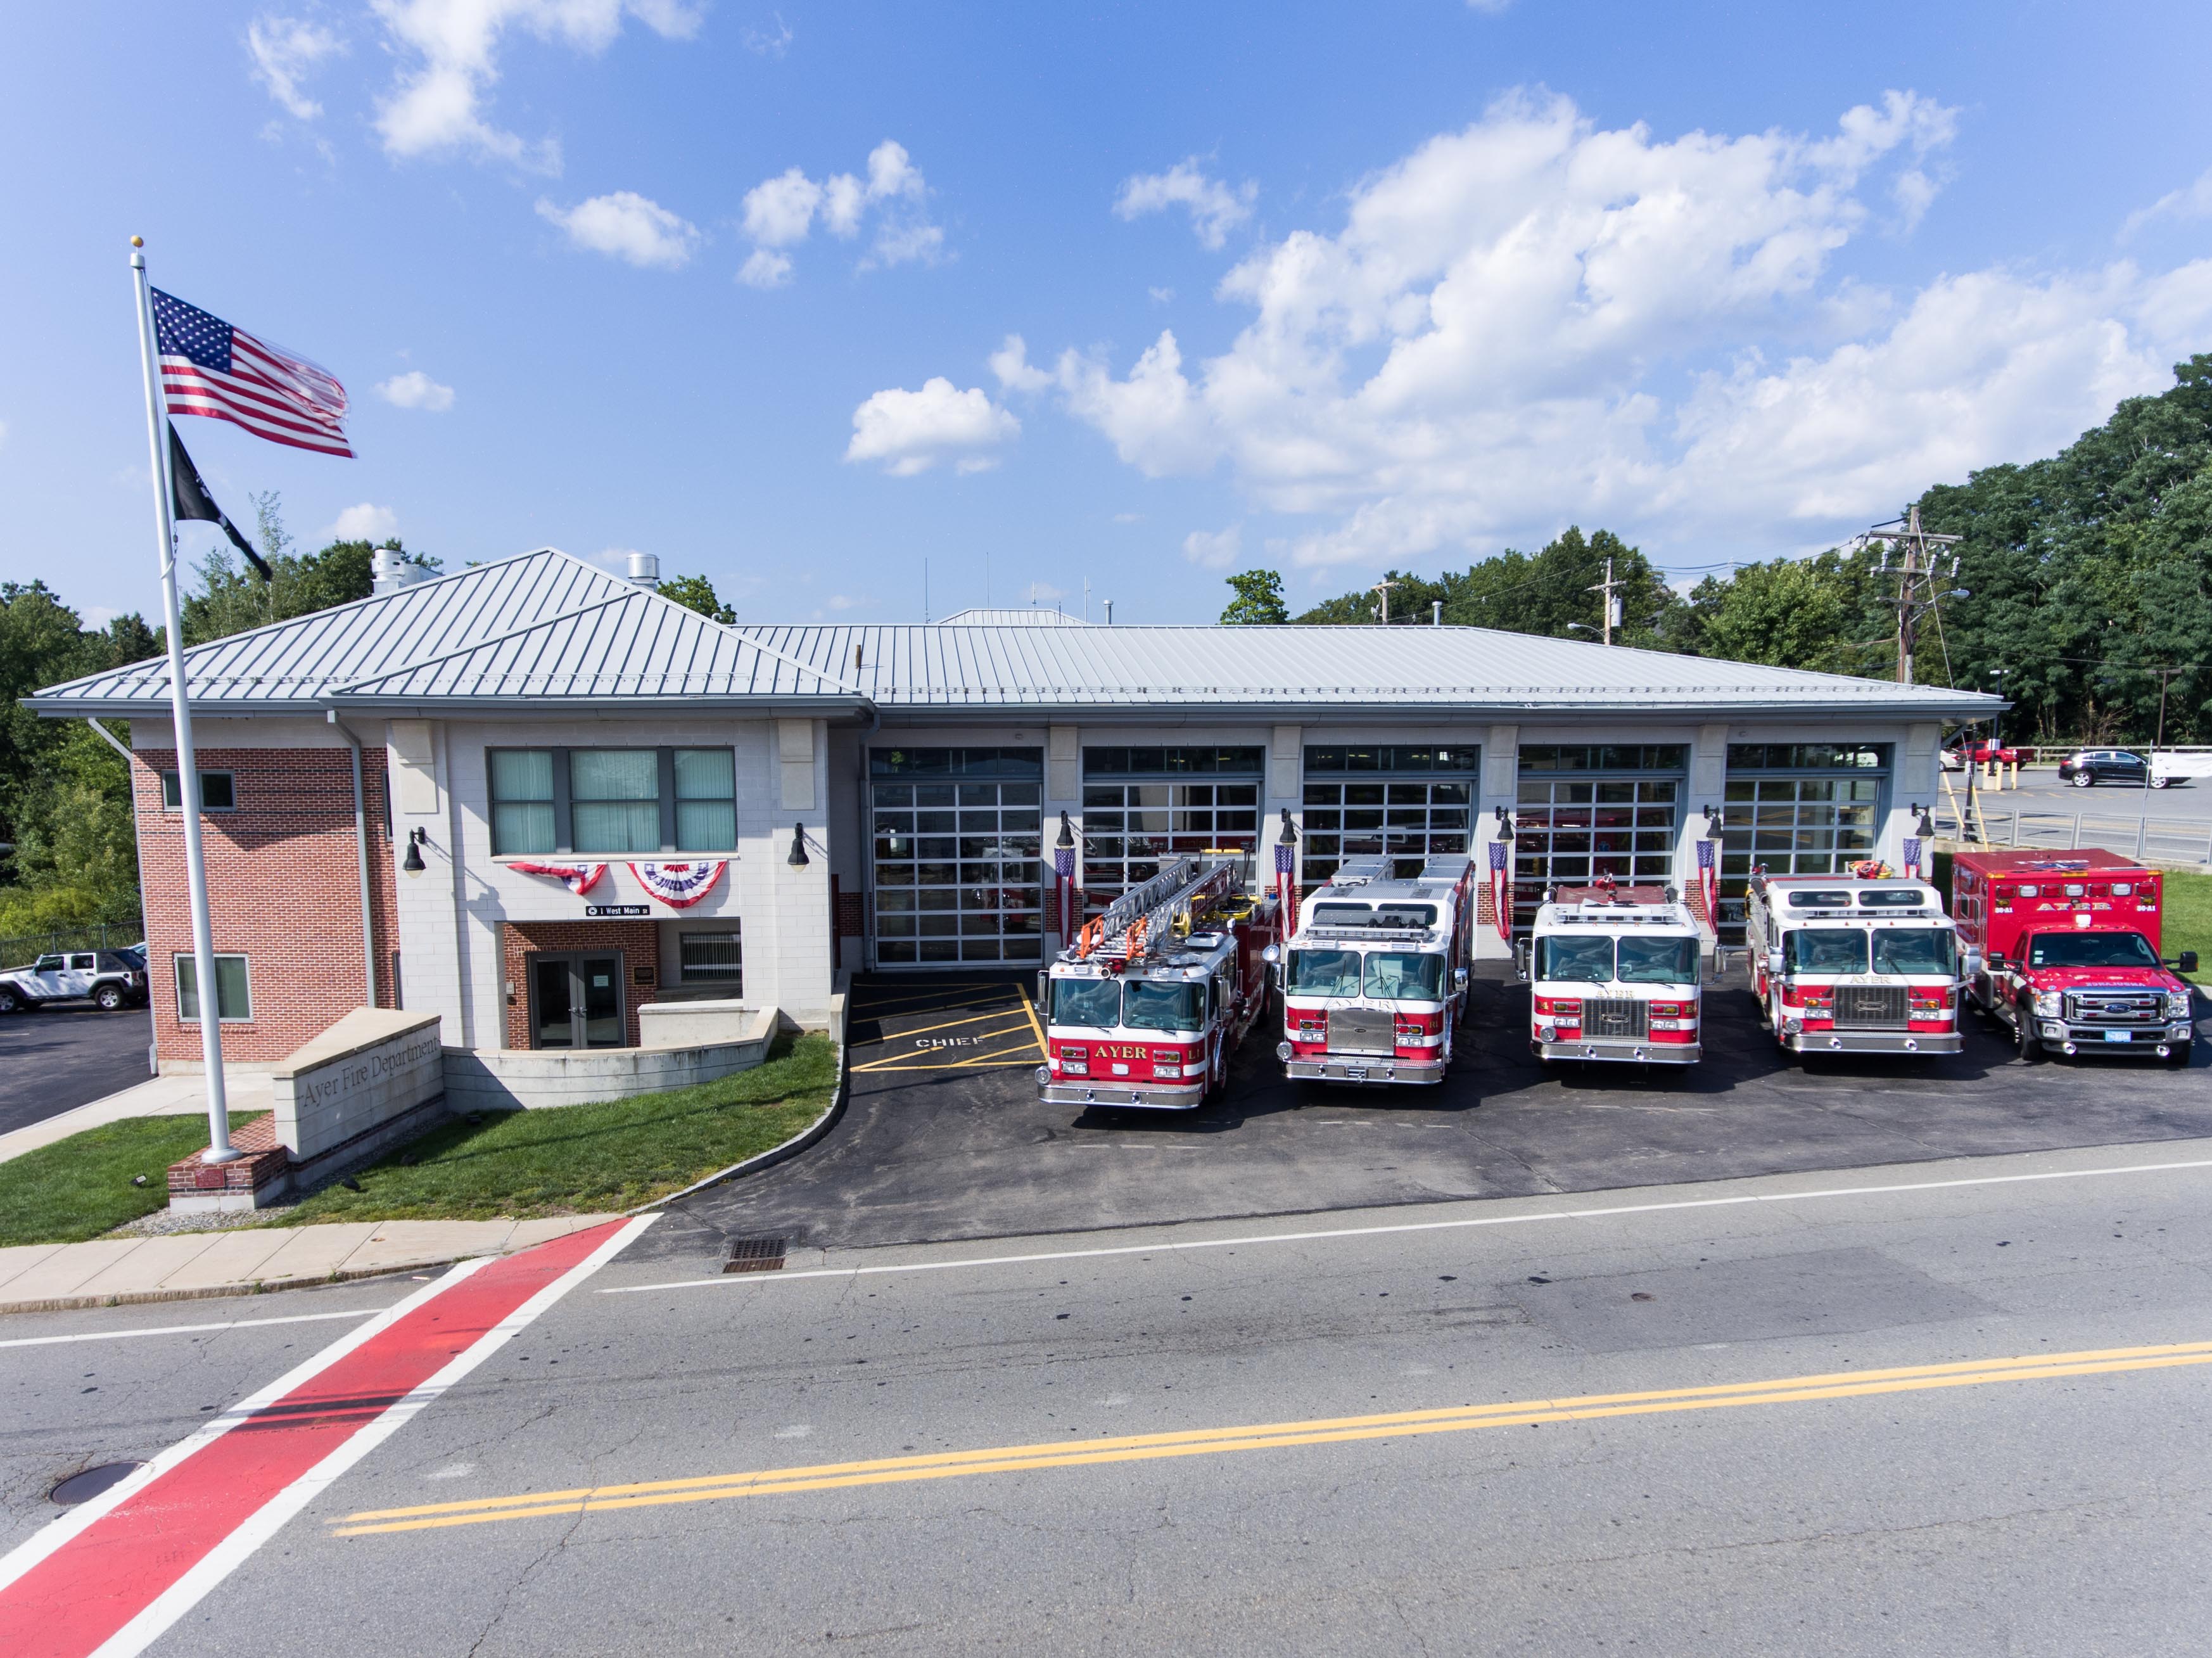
(504, 1079)
(373, 1067)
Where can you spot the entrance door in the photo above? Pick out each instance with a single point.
(575, 1001)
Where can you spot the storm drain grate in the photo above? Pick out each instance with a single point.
(754, 1255)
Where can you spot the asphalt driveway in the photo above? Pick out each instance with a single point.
(944, 1137)
(60, 1058)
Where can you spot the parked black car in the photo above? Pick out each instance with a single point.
(2085, 768)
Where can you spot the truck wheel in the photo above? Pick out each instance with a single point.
(110, 997)
(2024, 1040)
(2178, 1060)
(2084, 778)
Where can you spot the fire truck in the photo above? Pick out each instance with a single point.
(1148, 1004)
(2062, 947)
(1375, 978)
(1613, 974)
(1859, 963)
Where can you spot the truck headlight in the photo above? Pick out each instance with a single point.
(2176, 1004)
(2049, 1004)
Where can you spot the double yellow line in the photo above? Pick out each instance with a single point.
(1207, 1441)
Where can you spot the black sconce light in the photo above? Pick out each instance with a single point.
(1504, 825)
(412, 863)
(1715, 821)
(1066, 841)
(1925, 829)
(798, 859)
(1289, 835)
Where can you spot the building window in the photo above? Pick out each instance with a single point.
(1808, 757)
(1207, 762)
(218, 791)
(1799, 808)
(1611, 757)
(715, 958)
(233, 997)
(1616, 819)
(1370, 800)
(956, 858)
(612, 802)
(1019, 764)
(522, 800)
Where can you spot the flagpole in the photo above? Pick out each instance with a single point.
(188, 777)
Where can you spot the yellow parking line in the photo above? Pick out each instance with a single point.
(972, 1018)
(1030, 1008)
(1012, 1459)
(905, 1062)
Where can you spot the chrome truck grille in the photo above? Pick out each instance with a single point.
(2122, 1005)
(1871, 1007)
(1362, 1030)
(1623, 1021)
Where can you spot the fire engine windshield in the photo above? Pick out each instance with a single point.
(2090, 949)
(1577, 960)
(1659, 961)
(1405, 975)
(1093, 1002)
(1149, 1006)
(1824, 949)
(1323, 973)
(1921, 950)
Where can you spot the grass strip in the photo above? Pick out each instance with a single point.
(79, 1187)
(2189, 919)
(585, 1159)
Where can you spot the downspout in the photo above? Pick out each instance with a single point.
(153, 1018)
(361, 857)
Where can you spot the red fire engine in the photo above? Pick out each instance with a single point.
(1375, 979)
(1147, 1006)
(1853, 964)
(1614, 976)
(2062, 947)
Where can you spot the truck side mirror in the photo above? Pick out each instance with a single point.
(2186, 961)
(1459, 978)
(1970, 965)
(1774, 962)
(1521, 958)
(1995, 961)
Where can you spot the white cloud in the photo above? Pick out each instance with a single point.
(1011, 363)
(1215, 209)
(416, 390)
(765, 269)
(1489, 8)
(1534, 321)
(365, 522)
(2192, 201)
(911, 431)
(1217, 550)
(285, 52)
(452, 47)
(627, 226)
(1161, 295)
(769, 43)
(782, 212)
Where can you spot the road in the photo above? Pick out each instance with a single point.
(2041, 791)
(60, 1058)
(1047, 1445)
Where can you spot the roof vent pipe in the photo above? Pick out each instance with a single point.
(389, 570)
(1435, 613)
(645, 570)
(1109, 612)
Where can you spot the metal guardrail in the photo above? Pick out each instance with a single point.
(2151, 839)
(108, 935)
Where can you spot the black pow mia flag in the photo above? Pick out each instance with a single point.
(193, 503)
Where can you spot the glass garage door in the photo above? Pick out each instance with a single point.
(1146, 806)
(1799, 808)
(1366, 800)
(957, 876)
(1585, 811)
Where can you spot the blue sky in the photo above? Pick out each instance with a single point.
(1322, 289)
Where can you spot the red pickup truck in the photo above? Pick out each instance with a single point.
(1959, 756)
(2063, 948)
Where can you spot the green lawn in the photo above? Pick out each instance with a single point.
(585, 1159)
(2189, 921)
(79, 1187)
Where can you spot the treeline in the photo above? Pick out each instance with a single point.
(70, 856)
(2088, 583)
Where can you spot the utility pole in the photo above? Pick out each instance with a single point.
(1917, 551)
(1612, 602)
(1383, 588)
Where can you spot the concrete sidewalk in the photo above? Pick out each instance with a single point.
(40, 1278)
(157, 1096)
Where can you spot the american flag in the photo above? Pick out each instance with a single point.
(1709, 881)
(1501, 887)
(208, 368)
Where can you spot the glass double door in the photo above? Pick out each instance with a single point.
(575, 1001)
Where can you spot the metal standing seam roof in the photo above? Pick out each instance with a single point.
(1025, 616)
(545, 628)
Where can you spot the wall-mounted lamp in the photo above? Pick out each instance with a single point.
(412, 863)
(1715, 821)
(1289, 835)
(1925, 829)
(798, 859)
(1066, 841)
(1504, 826)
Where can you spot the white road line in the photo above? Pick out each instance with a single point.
(185, 1329)
(181, 1596)
(1180, 1247)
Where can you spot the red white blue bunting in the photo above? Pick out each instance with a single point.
(679, 885)
(578, 878)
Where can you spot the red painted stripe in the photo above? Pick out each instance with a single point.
(84, 1592)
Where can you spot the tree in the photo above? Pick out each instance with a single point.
(1258, 600)
(231, 600)
(696, 593)
(1790, 613)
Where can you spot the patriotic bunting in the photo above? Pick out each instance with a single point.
(679, 885)
(578, 878)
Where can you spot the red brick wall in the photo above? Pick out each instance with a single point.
(283, 890)
(638, 941)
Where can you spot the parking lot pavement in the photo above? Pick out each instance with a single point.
(60, 1058)
(933, 1148)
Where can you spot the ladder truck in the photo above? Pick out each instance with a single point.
(1614, 976)
(1375, 978)
(1146, 1007)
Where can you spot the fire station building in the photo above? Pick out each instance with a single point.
(540, 799)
